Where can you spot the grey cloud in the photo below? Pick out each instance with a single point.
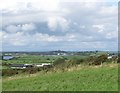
(80, 33)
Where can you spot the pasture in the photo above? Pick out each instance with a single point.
(37, 59)
(80, 78)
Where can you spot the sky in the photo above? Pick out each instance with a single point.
(69, 25)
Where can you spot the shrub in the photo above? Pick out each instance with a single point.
(59, 61)
(100, 59)
(9, 72)
(31, 70)
(97, 60)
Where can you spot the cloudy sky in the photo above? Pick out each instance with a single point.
(71, 25)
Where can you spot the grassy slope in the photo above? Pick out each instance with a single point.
(85, 79)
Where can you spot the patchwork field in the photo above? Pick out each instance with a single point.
(34, 59)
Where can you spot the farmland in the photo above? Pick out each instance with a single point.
(76, 72)
(32, 59)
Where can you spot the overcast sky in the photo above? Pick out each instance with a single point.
(71, 25)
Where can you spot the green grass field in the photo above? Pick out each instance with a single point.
(33, 59)
(37, 59)
(80, 78)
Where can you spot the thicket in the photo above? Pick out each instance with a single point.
(10, 72)
(97, 60)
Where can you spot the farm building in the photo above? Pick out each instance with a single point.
(20, 66)
(23, 66)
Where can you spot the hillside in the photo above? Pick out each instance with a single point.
(80, 78)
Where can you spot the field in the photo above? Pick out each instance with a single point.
(89, 71)
(80, 78)
(36, 59)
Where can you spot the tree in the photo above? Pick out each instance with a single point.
(93, 60)
(100, 59)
